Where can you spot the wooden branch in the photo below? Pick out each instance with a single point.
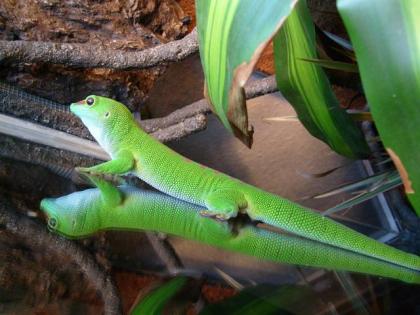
(181, 129)
(178, 124)
(252, 89)
(94, 56)
(35, 235)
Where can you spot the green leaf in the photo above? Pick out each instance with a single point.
(352, 293)
(365, 183)
(331, 46)
(332, 64)
(232, 35)
(385, 35)
(308, 90)
(155, 301)
(344, 43)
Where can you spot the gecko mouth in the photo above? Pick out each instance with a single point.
(74, 107)
(64, 221)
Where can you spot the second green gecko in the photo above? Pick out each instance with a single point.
(84, 213)
(134, 151)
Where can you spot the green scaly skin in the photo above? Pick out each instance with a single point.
(133, 151)
(83, 213)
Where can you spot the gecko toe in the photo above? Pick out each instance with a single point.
(222, 217)
(206, 213)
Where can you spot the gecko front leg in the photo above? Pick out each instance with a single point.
(224, 204)
(121, 164)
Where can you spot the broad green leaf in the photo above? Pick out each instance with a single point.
(307, 88)
(385, 35)
(232, 35)
(155, 301)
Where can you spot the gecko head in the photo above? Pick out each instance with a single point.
(73, 215)
(100, 114)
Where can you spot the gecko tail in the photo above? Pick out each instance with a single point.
(295, 219)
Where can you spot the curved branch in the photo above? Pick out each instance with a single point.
(93, 56)
(36, 236)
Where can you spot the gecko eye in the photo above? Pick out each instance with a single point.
(52, 223)
(90, 101)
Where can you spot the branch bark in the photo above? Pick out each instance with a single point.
(93, 56)
(36, 236)
(178, 124)
(252, 89)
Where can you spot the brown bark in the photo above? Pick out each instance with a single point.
(96, 56)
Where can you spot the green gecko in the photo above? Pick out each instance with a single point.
(83, 213)
(133, 151)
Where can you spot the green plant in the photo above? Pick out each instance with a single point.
(384, 35)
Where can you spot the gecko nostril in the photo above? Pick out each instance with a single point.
(106, 114)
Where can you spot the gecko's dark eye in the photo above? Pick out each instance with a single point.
(90, 101)
(52, 223)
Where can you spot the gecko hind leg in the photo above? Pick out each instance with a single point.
(224, 204)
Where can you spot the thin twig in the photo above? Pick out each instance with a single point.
(93, 56)
(47, 136)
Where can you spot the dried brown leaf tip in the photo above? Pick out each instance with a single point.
(401, 169)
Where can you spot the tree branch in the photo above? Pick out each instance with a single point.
(174, 126)
(252, 89)
(36, 236)
(92, 56)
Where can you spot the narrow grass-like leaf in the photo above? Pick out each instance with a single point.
(155, 301)
(357, 115)
(392, 182)
(323, 173)
(353, 295)
(308, 90)
(385, 35)
(229, 279)
(232, 35)
(282, 118)
(334, 65)
(364, 183)
(330, 46)
(339, 40)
